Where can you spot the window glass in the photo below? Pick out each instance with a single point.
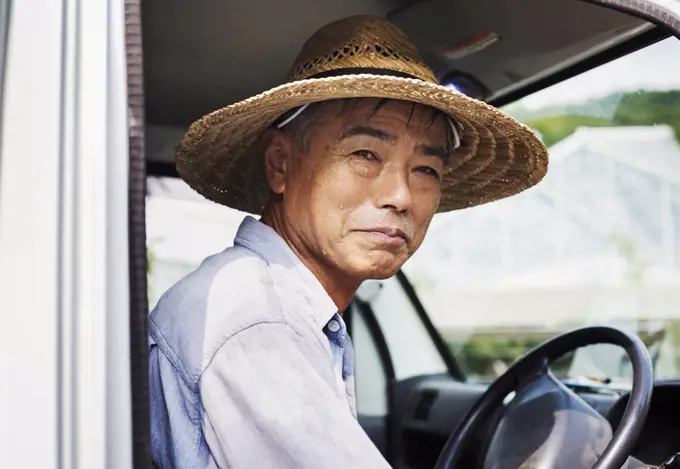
(369, 372)
(182, 229)
(597, 241)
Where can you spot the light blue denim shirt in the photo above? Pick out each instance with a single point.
(250, 366)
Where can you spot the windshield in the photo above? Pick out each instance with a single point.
(598, 241)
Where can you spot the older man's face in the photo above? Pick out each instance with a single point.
(360, 194)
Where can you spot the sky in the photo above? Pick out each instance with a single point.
(656, 67)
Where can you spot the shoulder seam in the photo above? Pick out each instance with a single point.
(171, 356)
(278, 319)
(249, 246)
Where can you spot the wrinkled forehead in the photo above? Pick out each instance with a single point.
(353, 109)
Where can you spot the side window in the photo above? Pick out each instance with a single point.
(410, 345)
(182, 229)
(370, 372)
(597, 241)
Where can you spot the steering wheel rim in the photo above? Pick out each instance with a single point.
(623, 440)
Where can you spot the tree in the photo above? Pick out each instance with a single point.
(627, 109)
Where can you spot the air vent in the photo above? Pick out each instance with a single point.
(425, 402)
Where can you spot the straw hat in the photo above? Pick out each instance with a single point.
(360, 56)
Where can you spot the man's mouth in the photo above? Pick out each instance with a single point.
(388, 235)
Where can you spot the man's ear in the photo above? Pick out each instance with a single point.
(277, 148)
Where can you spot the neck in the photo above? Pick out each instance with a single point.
(339, 286)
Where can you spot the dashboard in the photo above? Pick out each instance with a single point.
(660, 437)
(432, 407)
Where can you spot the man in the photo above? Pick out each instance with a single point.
(347, 163)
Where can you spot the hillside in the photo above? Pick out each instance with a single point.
(621, 109)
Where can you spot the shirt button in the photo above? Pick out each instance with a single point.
(334, 326)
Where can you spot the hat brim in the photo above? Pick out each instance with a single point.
(220, 156)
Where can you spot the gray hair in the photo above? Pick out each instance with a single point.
(302, 126)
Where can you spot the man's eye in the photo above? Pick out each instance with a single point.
(429, 171)
(367, 154)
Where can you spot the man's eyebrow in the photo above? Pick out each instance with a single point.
(424, 149)
(369, 132)
(430, 150)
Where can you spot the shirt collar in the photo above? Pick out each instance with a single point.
(266, 243)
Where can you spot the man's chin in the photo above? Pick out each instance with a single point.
(379, 268)
(380, 274)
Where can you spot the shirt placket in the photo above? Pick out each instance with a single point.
(336, 336)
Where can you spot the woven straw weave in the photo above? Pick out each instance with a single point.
(220, 156)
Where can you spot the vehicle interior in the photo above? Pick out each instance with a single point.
(417, 398)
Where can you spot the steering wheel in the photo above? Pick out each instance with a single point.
(548, 425)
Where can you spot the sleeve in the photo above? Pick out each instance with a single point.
(266, 405)
(174, 413)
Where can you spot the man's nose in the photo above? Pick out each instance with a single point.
(393, 189)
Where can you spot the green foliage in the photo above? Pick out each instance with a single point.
(635, 265)
(650, 108)
(637, 108)
(555, 128)
(149, 260)
(478, 354)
